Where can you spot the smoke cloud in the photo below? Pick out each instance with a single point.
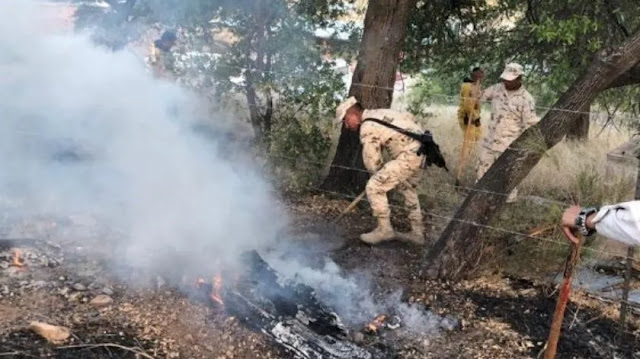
(86, 130)
(89, 131)
(353, 299)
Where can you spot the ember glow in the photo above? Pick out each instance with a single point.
(17, 260)
(216, 288)
(376, 324)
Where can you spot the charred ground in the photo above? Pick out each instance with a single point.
(501, 316)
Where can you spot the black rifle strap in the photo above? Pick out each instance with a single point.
(415, 136)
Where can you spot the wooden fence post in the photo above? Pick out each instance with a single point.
(563, 298)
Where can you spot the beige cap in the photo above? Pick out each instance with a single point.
(341, 111)
(512, 71)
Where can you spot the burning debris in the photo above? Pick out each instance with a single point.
(289, 313)
(376, 324)
(18, 254)
(382, 321)
(17, 261)
(214, 288)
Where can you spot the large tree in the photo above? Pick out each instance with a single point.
(385, 28)
(460, 247)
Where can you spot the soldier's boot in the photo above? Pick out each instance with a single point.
(383, 232)
(416, 235)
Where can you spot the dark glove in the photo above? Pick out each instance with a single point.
(465, 120)
(476, 122)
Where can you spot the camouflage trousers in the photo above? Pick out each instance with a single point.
(486, 158)
(402, 173)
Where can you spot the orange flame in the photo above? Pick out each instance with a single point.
(216, 289)
(376, 323)
(17, 262)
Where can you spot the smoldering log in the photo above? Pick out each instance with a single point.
(289, 313)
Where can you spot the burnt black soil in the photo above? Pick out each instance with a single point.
(96, 340)
(585, 333)
(502, 317)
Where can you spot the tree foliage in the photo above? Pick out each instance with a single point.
(554, 40)
(272, 58)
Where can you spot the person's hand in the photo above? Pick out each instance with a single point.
(569, 223)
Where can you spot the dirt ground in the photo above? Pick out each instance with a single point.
(501, 317)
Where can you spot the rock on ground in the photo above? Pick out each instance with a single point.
(52, 333)
(101, 301)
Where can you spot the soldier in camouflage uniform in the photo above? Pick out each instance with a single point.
(512, 112)
(161, 60)
(402, 172)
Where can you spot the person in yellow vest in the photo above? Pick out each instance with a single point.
(469, 117)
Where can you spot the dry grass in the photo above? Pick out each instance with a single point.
(570, 173)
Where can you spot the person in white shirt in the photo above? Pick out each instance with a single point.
(619, 222)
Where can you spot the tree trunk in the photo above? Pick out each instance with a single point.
(260, 121)
(631, 77)
(460, 247)
(385, 28)
(579, 129)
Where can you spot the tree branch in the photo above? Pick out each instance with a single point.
(631, 77)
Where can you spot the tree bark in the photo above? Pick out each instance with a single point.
(459, 249)
(579, 129)
(260, 121)
(631, 77)
(385, 28)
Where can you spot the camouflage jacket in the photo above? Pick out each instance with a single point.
(512, 112)
(374, 136)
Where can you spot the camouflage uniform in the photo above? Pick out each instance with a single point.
(401, 172)
(512, 112)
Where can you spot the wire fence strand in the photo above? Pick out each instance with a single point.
(437, 95)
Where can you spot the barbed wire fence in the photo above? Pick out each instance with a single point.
(610, 289)
(450, 98)
(608, 292)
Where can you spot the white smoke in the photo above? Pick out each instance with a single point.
(88, 131)
(142, 169)
(352, 297)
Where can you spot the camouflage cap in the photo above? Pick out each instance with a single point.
(512, 71)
